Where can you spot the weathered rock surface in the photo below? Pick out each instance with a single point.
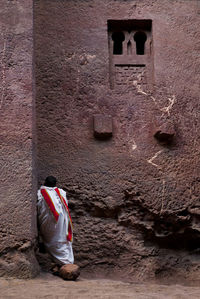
(132, 198)
(69, 272)
(17, 145)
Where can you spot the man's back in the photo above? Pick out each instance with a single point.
(55, 222)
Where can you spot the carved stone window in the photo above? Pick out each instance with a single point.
(130, 51)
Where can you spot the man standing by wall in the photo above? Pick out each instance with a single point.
(55, 223)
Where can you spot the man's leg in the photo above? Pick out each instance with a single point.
(62, 253)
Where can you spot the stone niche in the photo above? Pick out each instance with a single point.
(130, 54)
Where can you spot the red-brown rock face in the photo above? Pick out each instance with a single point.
(17, 135)
(134, 199)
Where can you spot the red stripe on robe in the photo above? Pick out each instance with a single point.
(70, 225)
(50, 203)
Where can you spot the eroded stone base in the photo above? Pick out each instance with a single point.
(19, 263)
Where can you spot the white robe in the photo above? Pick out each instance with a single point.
(54, 234)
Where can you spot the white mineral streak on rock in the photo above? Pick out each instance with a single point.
(154, 157)
(134, 146)
(90, 57)
(139, 89)
(85, 58)
(138, 86)
(167, 109)
(154, 100)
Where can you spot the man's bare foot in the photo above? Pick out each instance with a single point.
(69, 272)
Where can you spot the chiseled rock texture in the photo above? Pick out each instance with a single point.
(134, 199)
(17, 175)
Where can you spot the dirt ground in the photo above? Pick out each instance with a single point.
(49, 286)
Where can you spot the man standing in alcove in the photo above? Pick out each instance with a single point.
(55, 224)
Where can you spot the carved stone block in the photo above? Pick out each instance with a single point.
(102, 126)
(165, 132)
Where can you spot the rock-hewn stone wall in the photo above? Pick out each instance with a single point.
(134, 196)
(17, 133)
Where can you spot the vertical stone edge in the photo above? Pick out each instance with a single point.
(18, 215)
(34, 229)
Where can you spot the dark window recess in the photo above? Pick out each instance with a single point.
(118, 38)
(140, 39)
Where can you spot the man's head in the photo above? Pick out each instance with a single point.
(50, 181)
